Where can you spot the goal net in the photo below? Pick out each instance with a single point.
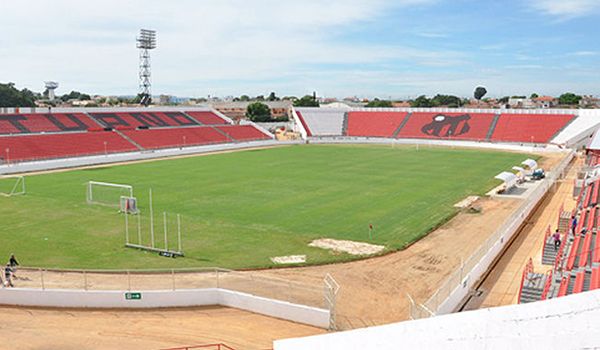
(109, 194)
(12, 186)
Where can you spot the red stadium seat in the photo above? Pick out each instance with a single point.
(374, 124)
(46, 122)
(31, 147)
(243, 132)
(537, 128)
(460, 126)
(176, 137)
(132, 120)
(207, 118)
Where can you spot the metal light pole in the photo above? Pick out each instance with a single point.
(146, 41)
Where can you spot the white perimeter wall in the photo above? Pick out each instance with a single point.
(165, 298)
(569, 322)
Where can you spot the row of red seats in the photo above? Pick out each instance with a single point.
(31, 147)
(176, 137)
(47, 122)
(60, 145)
(538, 128)
(68, 122)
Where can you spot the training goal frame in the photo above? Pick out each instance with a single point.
(117, 201)
(17, 189)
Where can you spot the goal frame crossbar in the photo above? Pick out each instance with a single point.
(90, 193)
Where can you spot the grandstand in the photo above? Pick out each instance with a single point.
(573, 269)
(72, 133)
(496, 126)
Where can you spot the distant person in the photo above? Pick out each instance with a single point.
(573, 223)
(13, 265)
(8, 275)
(556, 237)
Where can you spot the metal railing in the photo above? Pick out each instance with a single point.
(249, 282)
(504, 232)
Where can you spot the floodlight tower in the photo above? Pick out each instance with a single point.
(51, 86)
(145, 42)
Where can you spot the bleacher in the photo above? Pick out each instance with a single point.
(374, 124)
(460, 126)
(36, 136)
(576, 266)
(243, 132)
(207, 117)
(44, 146)
(176, 137)
(133, 120)
(44, 123)
(536, 128)
(322, 121)
(448, 125)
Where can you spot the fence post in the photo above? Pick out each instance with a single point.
(42, 279)
(128, 281)
(85, 280)
(217, 270)
(173, 277)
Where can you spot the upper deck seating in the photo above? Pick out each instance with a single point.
(133, 120)
(207, 118)
(45, 122)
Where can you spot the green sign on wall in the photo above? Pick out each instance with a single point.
(133, 296)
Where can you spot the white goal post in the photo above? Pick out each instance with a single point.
(18, 188)
(105, 193)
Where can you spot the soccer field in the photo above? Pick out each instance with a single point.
(239, 209)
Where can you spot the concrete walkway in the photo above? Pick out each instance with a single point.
(501, 286)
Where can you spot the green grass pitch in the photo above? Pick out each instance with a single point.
(239, 209)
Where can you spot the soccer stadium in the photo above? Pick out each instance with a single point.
(154, 224)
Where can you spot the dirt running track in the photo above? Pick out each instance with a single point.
(46, 329)
(373, 292)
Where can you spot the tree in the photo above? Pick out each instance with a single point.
(421, 101)
(259, 98)
(306, 101)
(12, 97)
(245, 98)
(534, 95)
(446, 100)
(272, 97)
(479, 92)
(569, 98)
(377, 103)
(258, 112)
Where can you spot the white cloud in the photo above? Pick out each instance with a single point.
(566, 9)
(90, 46)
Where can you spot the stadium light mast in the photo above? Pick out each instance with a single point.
(146, 41)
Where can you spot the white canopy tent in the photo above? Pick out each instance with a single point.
(520, 172)
(510, 179)
(530, 163)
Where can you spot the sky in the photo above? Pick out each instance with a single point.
(375, 48)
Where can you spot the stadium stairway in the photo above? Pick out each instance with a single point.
(533, 287)
(549, 253)
(401, 126)
(130, 140)
(490, 132)
(345, 125)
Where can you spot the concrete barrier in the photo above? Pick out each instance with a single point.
(69, 298)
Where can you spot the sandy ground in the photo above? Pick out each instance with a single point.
(41, 329)
(501, 286)
(373, 291)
